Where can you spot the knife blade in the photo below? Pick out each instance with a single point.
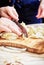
(24, 31)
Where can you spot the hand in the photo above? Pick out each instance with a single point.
(9, 12)
(41, 10)
(7, 25)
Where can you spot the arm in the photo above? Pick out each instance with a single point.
(41, 10)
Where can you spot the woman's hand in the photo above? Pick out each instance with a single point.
(41, 10)
(9, 12)
(7, 25)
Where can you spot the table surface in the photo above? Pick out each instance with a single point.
(11, 55)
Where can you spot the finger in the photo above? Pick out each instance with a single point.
(42, 15)
(39, 12)
(16, 14)
(5, 21)
(3, 14)
(11, 25)
(12, 15)
(15, 29)
(14, 11)
(4, 28)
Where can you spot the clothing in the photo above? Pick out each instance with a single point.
(27, 10)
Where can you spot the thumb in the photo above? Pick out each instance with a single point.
(39, 12)
(42, 15)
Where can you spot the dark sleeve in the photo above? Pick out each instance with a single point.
(6, 2)
(12, 2)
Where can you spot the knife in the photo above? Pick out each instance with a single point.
(24, 31)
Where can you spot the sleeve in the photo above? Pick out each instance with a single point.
(6, 2)
(12, 2)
